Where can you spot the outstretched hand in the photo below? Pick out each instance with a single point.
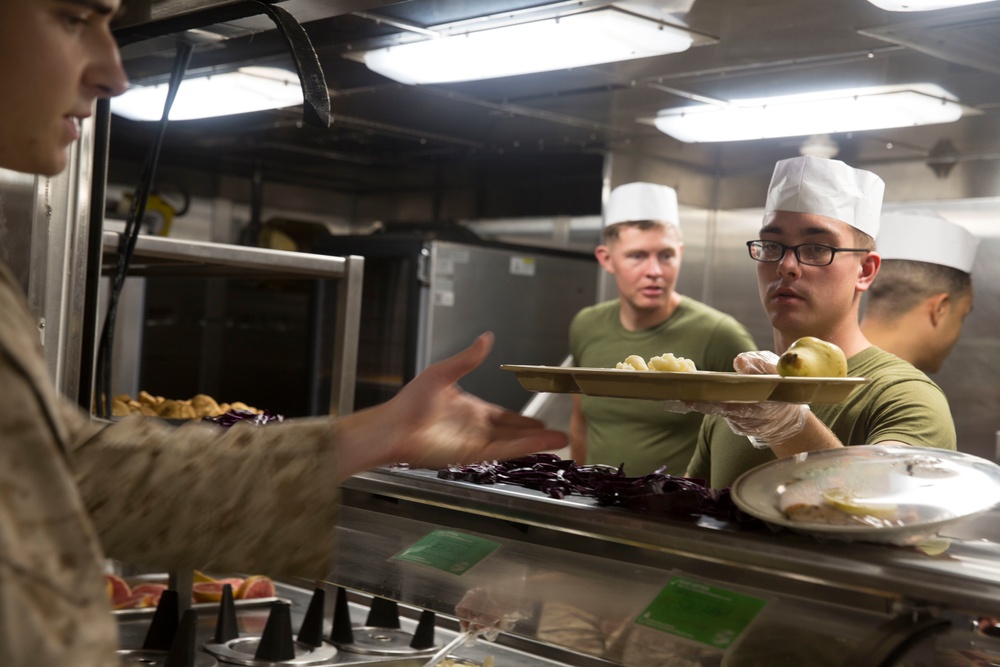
(432, 423)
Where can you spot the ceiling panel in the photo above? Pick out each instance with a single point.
(750, 49)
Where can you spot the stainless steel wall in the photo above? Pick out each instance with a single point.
(44, 224)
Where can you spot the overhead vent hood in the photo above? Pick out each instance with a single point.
(970, 37)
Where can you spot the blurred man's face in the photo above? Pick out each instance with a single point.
(645, 264)
(56, 58)
(953, 317)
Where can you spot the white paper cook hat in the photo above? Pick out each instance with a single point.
(924, 236)
(809, 184)
(642, 201)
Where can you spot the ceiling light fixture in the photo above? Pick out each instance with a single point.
(921, 5)
(575, 40)
(828, 112)
(240, 91)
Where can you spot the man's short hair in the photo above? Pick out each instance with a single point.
(902, 284)
(863, 240)
(610, 232)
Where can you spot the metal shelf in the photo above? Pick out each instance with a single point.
(158, 256)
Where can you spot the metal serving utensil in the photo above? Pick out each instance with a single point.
(459, 640)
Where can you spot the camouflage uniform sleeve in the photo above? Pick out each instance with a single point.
(250, 498)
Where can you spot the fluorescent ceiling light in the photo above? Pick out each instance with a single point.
(921, 5)
(575, 40)
(827, 112)
(239, 91)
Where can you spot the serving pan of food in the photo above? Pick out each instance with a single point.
(684, 385)
(874, 493)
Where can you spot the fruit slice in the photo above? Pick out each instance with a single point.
(256, 586)
(140, 601)
(118, 589)
(201, 577)
(154, 591)
(211, 591)
(846, 502)
(934, 546)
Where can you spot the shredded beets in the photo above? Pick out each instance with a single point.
(656, 493)
(227, 419)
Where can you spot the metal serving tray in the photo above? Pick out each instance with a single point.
(684, 386)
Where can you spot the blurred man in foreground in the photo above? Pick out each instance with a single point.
(246, 499)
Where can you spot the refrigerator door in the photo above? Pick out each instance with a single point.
(525, 296)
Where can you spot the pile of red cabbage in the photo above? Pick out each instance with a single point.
(227, 419)
(655, 493)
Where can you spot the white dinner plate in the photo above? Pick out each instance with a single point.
(913, 491)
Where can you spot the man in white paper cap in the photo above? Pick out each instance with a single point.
(642, 248)
(923, 293)
(815, 257)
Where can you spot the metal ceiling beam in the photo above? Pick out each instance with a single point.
(146, 19)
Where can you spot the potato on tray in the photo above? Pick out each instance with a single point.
(196, 407)
(663, 362)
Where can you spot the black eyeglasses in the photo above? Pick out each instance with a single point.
(813, 254)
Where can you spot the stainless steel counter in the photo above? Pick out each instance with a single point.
(252, 617)
(611, 562)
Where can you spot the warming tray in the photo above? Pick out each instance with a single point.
(688, 386)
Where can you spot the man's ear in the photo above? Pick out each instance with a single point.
(937, 307)
(603, 255)
(868, 270)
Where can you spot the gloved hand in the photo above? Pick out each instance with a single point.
(759, 362)
(488, 612)
(765, 422)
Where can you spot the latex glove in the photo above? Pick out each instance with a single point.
(765, 422)
(759, 362)
(487, 611)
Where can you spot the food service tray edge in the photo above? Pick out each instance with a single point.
(683, 386)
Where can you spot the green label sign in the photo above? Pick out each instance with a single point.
(448, 551)
(700, 612)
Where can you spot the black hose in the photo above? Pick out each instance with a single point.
(126, 244)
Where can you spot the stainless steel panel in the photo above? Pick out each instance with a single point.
(44, 224)
(345, 357)
(526, 298)
(17, 206)
(57, 291)
(610, 562)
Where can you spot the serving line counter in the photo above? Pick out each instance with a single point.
(640, 589)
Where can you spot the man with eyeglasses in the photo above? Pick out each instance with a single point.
(815, 257)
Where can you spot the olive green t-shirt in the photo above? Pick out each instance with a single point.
(638, 433)
(900, 403)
